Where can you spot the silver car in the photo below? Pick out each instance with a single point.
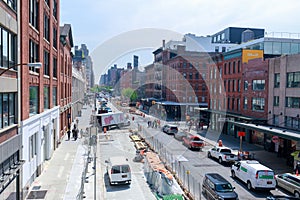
(289, 182)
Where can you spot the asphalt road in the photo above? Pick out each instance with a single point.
(198, 163)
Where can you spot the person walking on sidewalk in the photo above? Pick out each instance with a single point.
(69, 132)
(75, 132)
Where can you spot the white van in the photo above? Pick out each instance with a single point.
(254, 174)
(118, 170)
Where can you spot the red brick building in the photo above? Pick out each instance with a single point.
(65, 89)
(40, 95)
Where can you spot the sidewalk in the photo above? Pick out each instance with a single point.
(61, 177)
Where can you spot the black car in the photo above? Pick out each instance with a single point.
(216, 186)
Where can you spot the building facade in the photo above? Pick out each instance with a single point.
(10, 136)
(39, 42)
(65, 89)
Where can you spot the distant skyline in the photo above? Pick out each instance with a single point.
(94, 22)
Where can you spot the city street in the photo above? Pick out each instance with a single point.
(198, 164)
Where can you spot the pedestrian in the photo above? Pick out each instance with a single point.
(74, 132)
(69, 132)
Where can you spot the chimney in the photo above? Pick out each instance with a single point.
(164, 44)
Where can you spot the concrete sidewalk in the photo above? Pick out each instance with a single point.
(61, 177)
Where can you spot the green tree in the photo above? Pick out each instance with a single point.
(130, 94)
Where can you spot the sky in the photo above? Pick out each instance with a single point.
(114, 30)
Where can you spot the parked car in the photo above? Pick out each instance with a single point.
(193, 142)
(170, 129)
(254, 174)
(223, 154)
(289, 182)
(216, 186)
(179, 135)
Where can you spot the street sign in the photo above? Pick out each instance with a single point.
(241, 134)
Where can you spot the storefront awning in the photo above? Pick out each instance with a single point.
(231, 115)
(281, 132)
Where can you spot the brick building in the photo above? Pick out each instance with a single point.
(40, 97)
(65, 89)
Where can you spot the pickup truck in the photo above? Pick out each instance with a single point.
(223, 154)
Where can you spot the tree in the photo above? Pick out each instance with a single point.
(130, 94)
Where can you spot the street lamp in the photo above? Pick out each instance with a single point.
(35, 65)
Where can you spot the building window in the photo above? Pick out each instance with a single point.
(184, 65)
(223, 49)
(238, 104)
(46, 63)
(12, 4)
(239, 66)
(225, 68)
(277, 80)
(32, 146)
(276, 101)
(8, 48)
(228, 103)
(292, 102)
(245, 103)
(55, 67)
(258, 84)
(258, 104)
(275, 120)
(54, 96)
(46, 97)
(33, 54)
(232, 104)
(233, 67)
(184, 75)
(228, 86)
(225, 85)
(233, 85)
(197, 76)
(229, 67)
(34, 13)
(216, 49)
(293, 80)
(239, 85)
(245, 85)
(46, 27)
(55, 37)
(191, 76)
(8, 109)
(47, 2)
(292, 122)
(33, 100)
(55, 9)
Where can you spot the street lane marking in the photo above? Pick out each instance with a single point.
(67, 156)
(60, 171)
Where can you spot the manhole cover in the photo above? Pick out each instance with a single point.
(40, 194)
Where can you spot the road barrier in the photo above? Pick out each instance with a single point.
(175, 163)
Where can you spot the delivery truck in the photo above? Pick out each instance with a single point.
(116, 119)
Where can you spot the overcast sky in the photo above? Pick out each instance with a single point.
(100, 22)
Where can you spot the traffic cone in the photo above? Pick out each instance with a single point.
(297, 173)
